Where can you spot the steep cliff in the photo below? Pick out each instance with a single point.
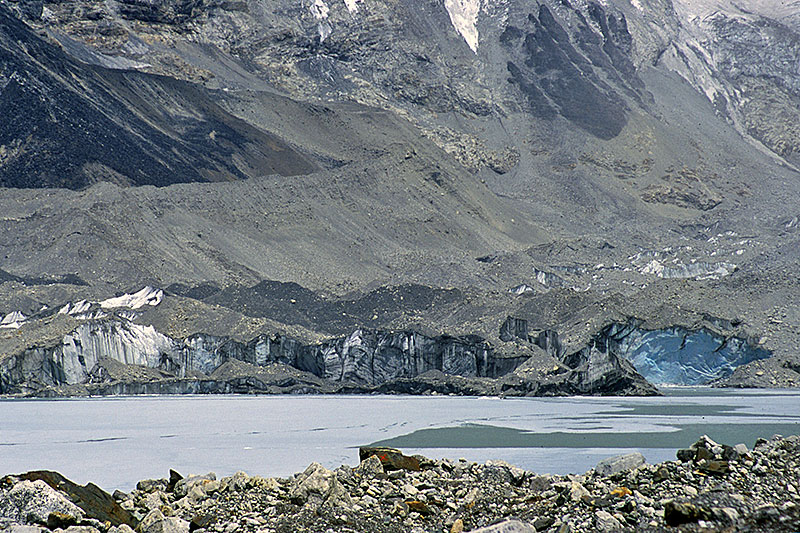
(117, 356)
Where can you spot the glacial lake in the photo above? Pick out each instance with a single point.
(114, 442)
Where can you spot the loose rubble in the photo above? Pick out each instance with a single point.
(711, 487)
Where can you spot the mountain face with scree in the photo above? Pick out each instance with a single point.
(620, 177)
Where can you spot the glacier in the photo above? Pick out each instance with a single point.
(679, 355)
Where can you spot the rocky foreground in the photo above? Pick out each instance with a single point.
(711, 487)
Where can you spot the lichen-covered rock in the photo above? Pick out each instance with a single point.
(32, 502)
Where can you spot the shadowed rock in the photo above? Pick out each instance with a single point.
(94, 501)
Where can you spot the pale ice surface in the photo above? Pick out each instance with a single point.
(13, 320)
(115, 442)
(464, 16)
(146, 296)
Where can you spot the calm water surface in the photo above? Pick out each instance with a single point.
(115, 442)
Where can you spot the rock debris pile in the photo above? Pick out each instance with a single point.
(711, 487)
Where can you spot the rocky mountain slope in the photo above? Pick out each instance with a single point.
(428, 168)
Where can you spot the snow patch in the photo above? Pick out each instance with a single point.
(146, 296)
(352, 5)
(464, 16)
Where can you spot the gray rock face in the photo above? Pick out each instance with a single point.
(745, 61)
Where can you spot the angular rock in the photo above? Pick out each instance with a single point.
(32, 502)
(156, 522)
(57, 520)
(606, 523)
(151, 485)
(685, 455)
(676, 513)
(577, 492)
(619, 463)
(184, 485)
(201, 522)
(370, 467)
(174, 477)
(391, 458)
(419, 507)
(543, 523)
(93, 500)
(719, 468)
(501, 471)
(507, 526)
(321, 484)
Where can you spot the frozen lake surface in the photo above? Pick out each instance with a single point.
(115, 442)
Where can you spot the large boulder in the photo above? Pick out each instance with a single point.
(319, 485)
(32, 502)
(94, 501)
(619, 463)
(391, 458)
(156, 522)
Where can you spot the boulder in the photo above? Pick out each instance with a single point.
(370, 467)
(184, 485)
(32, 502)
(94, 501)
(619, 463)
(391, 458)
(507, 526)
(501, 471)
(319, 484)
(676, 513)
(151, 485)
(156, 522)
